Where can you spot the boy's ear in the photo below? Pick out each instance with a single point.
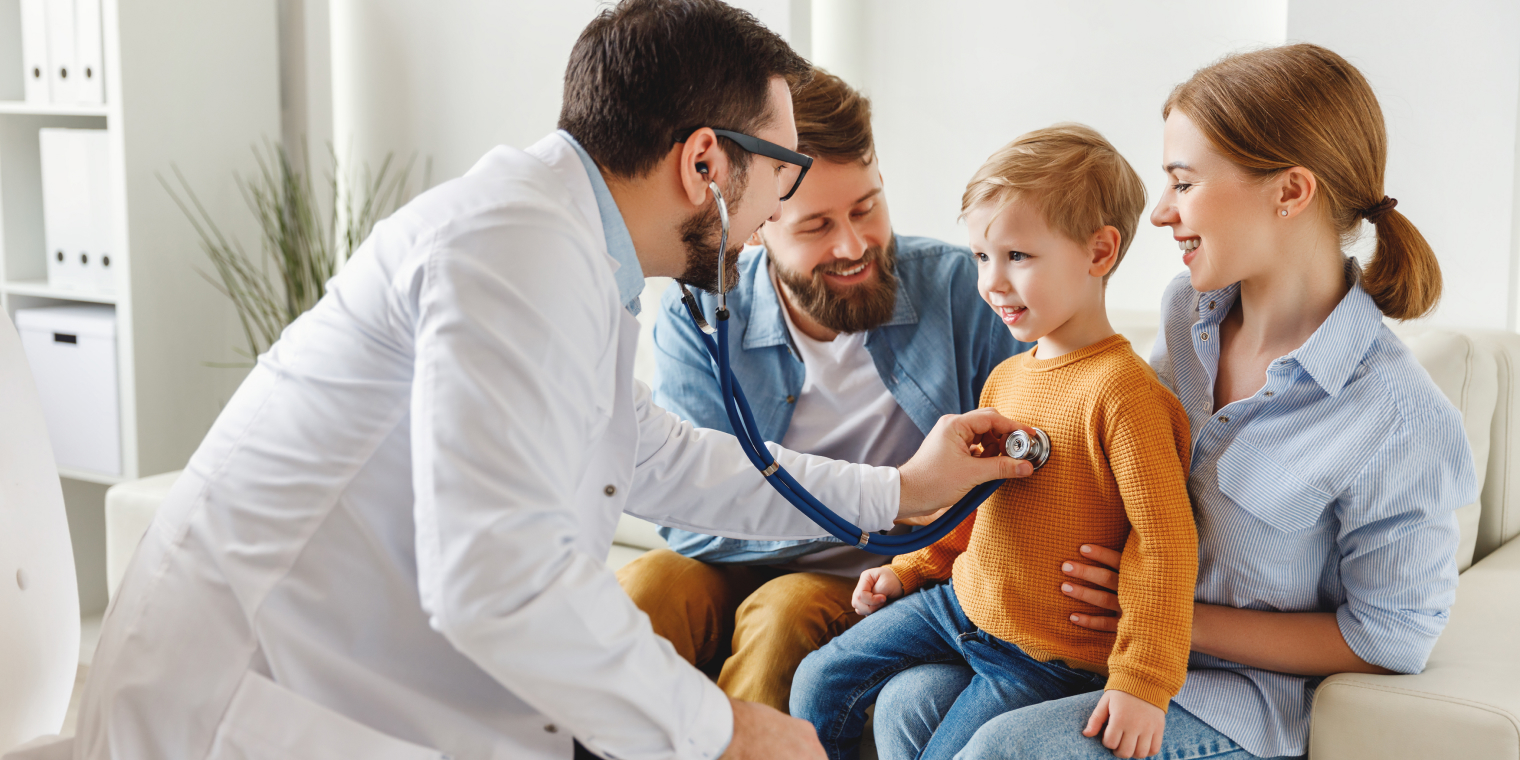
(1103, 248)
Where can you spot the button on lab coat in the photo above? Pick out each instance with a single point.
(392, 542)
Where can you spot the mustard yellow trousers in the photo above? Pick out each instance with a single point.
(771, 619)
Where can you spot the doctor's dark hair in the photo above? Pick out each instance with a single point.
(1303, 105)
(645, 70)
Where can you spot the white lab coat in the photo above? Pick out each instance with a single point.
(392, 542)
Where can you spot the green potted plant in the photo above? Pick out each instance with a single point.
(303, 241)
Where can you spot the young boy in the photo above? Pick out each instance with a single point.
(1050, 217)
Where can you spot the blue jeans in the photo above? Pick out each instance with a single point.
(913, 704)
(835, 684)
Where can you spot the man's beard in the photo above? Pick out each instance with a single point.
(856, 309)
(699, 234)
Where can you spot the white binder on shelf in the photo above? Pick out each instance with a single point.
(95, 238)
(34, 51)
(60, 36)
(88, 56)
(76, 208)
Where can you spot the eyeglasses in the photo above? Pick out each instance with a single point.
(793, 163)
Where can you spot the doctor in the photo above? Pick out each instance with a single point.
(391, 544)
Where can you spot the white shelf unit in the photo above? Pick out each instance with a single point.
(189, 84)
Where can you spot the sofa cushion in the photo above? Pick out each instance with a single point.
(1500, 521)
(1138, 326)
(1465, 704)
(639, 534)
(130, 508)
(1464, 369)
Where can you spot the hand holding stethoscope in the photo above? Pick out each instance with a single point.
(967, 437)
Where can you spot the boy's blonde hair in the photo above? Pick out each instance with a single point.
(1076, 179)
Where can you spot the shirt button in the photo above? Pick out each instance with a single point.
(791, 399)
(1224, 419)
(1205, 336)
(1211, 304)
(551, 728)
(610, 490)
(1269, 393)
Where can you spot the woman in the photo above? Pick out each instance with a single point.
(1326, 465)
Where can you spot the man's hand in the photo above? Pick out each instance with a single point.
(953, 460)
(1135, 726)
(876, 587)
(762, 732)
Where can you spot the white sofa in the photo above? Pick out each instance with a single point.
(1466, 703)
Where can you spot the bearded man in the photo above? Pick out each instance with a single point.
(851, 343)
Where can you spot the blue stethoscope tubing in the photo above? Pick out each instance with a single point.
(742, 420)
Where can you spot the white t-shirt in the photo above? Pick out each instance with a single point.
(845, 412)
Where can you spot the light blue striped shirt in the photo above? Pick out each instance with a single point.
(1333, 488)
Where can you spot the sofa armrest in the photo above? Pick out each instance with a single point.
(1467, 701)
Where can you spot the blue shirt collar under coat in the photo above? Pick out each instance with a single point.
(630, 274)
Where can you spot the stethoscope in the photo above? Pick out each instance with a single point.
(1020, 445)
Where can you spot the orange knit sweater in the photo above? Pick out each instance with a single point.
(1117, 477)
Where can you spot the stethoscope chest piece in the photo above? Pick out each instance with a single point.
(1034, 449)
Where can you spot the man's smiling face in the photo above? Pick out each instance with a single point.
(833, 249)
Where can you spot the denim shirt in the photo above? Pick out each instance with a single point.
(933, 354)
(1333, 488)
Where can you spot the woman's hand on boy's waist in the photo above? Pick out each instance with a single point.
(1299, 643)
(1094, 584)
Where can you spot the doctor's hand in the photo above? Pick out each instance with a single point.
(960, 453)
(762, 732)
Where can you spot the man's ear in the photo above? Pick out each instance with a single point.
(1294, 189)
(756, 239)
(701, 150)
(1103, 250)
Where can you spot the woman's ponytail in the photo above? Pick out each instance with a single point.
(1403, 277)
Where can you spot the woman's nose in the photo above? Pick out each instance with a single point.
(1165, 213)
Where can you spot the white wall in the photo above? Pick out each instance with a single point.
(448, 79)
(1449, 84)
(952, 85)
(451, 79)
(953, 80)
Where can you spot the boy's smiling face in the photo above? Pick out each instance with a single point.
(1044, 285)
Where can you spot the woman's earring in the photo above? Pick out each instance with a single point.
(1283, 211)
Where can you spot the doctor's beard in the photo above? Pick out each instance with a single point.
(700, 234)
(857, 309)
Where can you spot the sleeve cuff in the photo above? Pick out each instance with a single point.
(1131, 684)
(910, 578)
(713, 729)
(1399, 643)
(880, 497)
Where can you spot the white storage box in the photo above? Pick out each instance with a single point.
(72, 350)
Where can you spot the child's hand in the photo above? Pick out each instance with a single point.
(1135, 726)
(876, 587)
